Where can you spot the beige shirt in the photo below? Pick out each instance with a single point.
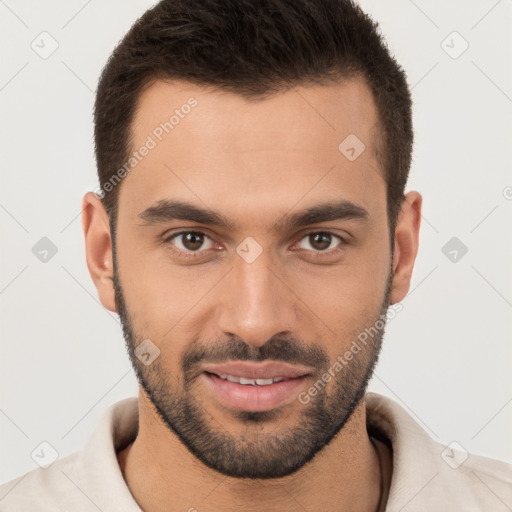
(420, 474)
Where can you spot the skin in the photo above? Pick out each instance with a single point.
(253, 162)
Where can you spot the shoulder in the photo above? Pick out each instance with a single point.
(41, 489)
(429, 475)
(87, 480)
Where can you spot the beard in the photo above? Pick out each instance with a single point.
(252, 454)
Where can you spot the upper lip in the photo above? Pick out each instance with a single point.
(263, 370)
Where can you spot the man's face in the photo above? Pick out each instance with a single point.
(262, 289)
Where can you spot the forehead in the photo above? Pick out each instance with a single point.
(216, 147)
(320, 114)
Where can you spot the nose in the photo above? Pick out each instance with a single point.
(257, 301)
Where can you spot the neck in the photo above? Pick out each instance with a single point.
(163, 475)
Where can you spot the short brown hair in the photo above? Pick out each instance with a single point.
(252, 48)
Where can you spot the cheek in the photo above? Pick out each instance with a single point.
(347, 298)
(164, 299)
(348, 305)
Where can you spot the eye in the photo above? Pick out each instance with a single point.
(320, 242)
(188, 242)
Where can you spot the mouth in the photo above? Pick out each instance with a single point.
(255, 386)
(249, 381)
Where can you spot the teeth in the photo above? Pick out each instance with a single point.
(253, 382)
(262, 382)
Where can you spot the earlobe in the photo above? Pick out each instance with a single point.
(406, 245)
(98, 248)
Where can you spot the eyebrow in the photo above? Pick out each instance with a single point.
(167, 210)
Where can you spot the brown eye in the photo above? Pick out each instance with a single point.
(321, 241)
(190, 241)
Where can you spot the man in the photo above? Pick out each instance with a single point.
(251, 231)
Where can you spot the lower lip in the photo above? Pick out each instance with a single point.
(250, 397)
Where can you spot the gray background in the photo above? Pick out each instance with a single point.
(446, 356)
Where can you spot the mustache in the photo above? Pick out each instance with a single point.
(280, 349)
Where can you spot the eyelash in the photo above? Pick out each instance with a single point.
(167, 240)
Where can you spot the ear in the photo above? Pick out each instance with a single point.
(406, 245)
(98, 248)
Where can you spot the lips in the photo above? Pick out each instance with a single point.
(252, 398)
(254, 386)
(264, 370)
